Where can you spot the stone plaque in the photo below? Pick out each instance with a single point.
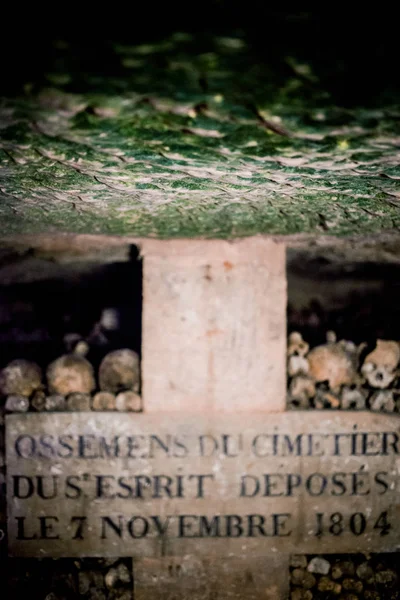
(176, 484)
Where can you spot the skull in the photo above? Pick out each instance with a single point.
(301, 389)
(333, 363)
(383, 400)
(297, 365)
(70, 373)
(20, 378)
(353, 399)
(380, 365)
(296, 345)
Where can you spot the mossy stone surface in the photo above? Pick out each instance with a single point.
(182, 142)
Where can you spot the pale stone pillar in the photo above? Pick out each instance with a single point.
(214, 340)
(214, 326)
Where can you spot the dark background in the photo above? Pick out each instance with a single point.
(354, 50)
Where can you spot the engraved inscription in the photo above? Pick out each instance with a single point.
(147, 485)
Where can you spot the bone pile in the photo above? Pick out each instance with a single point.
(342, 375)
(70, 383)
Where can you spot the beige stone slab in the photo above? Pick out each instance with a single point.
(101, 484)
(180, 578)
(214, 325)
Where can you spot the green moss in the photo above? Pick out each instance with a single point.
(149, 152)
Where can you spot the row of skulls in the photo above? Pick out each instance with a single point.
(72, 373)
(338, 363)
